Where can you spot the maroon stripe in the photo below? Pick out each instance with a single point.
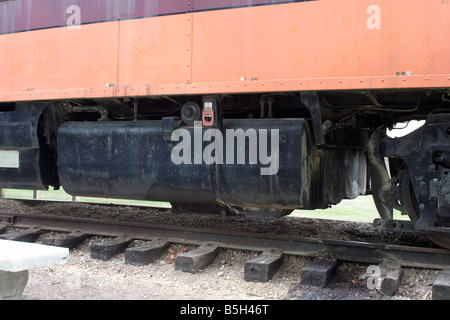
(26, 15)
(202, 5)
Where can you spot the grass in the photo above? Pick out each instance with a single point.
(360, 209)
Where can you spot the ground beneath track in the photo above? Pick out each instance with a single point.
(85, 278)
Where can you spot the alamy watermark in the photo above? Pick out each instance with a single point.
(374, 277)
(231, 149)
(74, 20)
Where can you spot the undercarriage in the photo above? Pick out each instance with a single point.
(261, 155)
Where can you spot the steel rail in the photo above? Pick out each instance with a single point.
(353, 251)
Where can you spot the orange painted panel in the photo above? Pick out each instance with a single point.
(316, 45)
(153, 51)
(321, 40)
(58, 59)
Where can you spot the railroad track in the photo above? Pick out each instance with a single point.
(71, 231)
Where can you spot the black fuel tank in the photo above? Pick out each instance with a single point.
(255, 164)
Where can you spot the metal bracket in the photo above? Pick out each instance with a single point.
(407, 226)
(395, 225)
(311, 101)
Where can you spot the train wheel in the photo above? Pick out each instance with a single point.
(410, 205)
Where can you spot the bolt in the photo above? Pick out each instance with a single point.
(444, 191)
(327, 125)
(421, 206)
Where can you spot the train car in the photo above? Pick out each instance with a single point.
(259, 107)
